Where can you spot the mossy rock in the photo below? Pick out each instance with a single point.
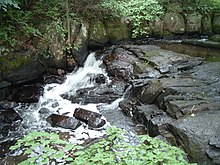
(206, 24)
(216, 24)
(173, 23)
(215, 38)
(193, 23)
(117, 31)
(21, 67)
(13, 61)
(98, 32)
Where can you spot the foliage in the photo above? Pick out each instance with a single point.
(115, 148)
(43, 147)
(207, 7)
(24, 23)
(5, 3)
(140, 13)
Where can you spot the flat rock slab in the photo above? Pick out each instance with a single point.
(178, 97)
(197, 135)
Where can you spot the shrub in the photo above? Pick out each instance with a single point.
(140, 13)
(114, 148)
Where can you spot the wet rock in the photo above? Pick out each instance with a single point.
(119, 63)
(150, 92)
(54, 79)
(215, 141)
(213, 151)
(63, 121)
(153, 118)
(193, 134)
(179, 108)
(44, 113)
(98, 94)
(27, 94)
(100, 79)
(7, 105)
(4, 148)
(80, 37)
(94, 95)
(93, 119)
(214, 154)
(128, 106)
(9, 121)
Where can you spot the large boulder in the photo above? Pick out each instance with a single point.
(97, 34)
(117, 30)
(193, 23)
(10, 120)
(173, 23)
(206, 24)
(216, 24)
(21, 67)
(196, 135)
(156, 27)
(80, 44)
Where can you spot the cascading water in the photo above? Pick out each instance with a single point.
(53, 102)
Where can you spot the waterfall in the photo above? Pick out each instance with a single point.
(52, 101)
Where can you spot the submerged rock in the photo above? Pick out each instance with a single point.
(9, 121)
(93, 119)
(27, 94)
(63, 121)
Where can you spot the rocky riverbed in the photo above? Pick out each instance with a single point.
(171, 94)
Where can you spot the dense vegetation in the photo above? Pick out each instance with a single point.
(25, 17)
(114, 148)
(23, 20)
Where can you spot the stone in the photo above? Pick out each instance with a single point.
(97, 35)
(80, 51)
(53, 79)
(100, 79)
(215, 141)
(128, 106)
(216, 24)
(10, 120)
(207, 24)
(173, 23)
(21, 67)
(27, 94)
(98, 94)
(150, 92)
(152, 118)
(193, 23)
(117, 30)
(193, 134)
(93, 119)
(63, 121)
(157, 27)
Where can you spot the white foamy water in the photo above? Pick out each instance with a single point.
(53, 102)
(52, 99)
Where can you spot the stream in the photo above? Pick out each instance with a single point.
(34, 115)
(164, 89)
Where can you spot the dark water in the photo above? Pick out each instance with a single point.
(209, 54)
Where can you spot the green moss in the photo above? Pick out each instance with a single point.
(13, 61)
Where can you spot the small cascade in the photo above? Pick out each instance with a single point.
(34, 116)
